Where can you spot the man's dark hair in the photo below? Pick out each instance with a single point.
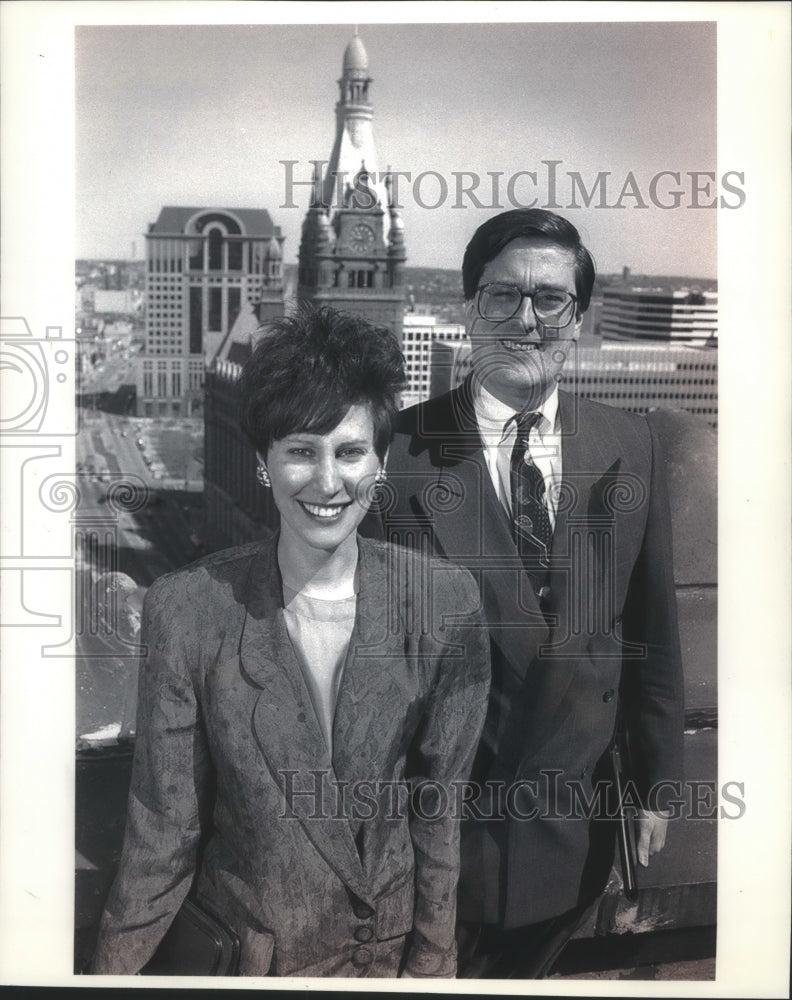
(308, 369)
(494, 234)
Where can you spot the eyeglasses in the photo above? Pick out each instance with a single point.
(553, 307)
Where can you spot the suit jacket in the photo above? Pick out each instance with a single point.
(609, 622)
(232, 777)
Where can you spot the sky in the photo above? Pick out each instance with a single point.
(202, 115)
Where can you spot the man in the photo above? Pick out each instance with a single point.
(558, 506)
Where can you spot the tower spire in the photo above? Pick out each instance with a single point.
(352, 248)
(354, 139)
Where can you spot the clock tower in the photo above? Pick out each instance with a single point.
(352, 251)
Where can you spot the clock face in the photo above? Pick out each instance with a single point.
(361, 237)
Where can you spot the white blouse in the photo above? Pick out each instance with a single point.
(320, 631)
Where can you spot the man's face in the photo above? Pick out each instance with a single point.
(519, 360)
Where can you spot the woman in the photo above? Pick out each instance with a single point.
(292, 686)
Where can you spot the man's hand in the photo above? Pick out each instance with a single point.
(651, 834)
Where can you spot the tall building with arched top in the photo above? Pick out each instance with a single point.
(205, 267)
(352, 250)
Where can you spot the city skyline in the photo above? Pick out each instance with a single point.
(146, 105)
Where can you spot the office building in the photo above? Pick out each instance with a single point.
(419, 334)
(682, 315)
(204, 267)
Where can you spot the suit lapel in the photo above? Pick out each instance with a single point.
(472, 528)
(370, 711)
(285, 723)
(584, 538)
(579, 582)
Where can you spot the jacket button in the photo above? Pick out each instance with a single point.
(362, 911)
(363, 933)
(361, 957)
(608, 696)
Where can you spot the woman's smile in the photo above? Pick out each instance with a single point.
(325, 511)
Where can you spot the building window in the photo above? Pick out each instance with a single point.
(215, 249)
(196, 257)
(215, 319)
(234, 304)
(235, 256)
(196, 338)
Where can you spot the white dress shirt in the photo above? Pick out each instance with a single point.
(498, 429)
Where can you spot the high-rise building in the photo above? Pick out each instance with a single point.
(419, 334)
(204, 266)
(352, 250)
(679, 315)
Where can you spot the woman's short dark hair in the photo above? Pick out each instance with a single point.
(494, 234)
(308, 369)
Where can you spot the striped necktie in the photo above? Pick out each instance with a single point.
(531, 525)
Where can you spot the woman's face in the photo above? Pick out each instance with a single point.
(322, 483)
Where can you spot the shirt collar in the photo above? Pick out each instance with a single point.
(492, 415)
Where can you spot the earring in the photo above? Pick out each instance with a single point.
(380, 477)
(262, 475)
